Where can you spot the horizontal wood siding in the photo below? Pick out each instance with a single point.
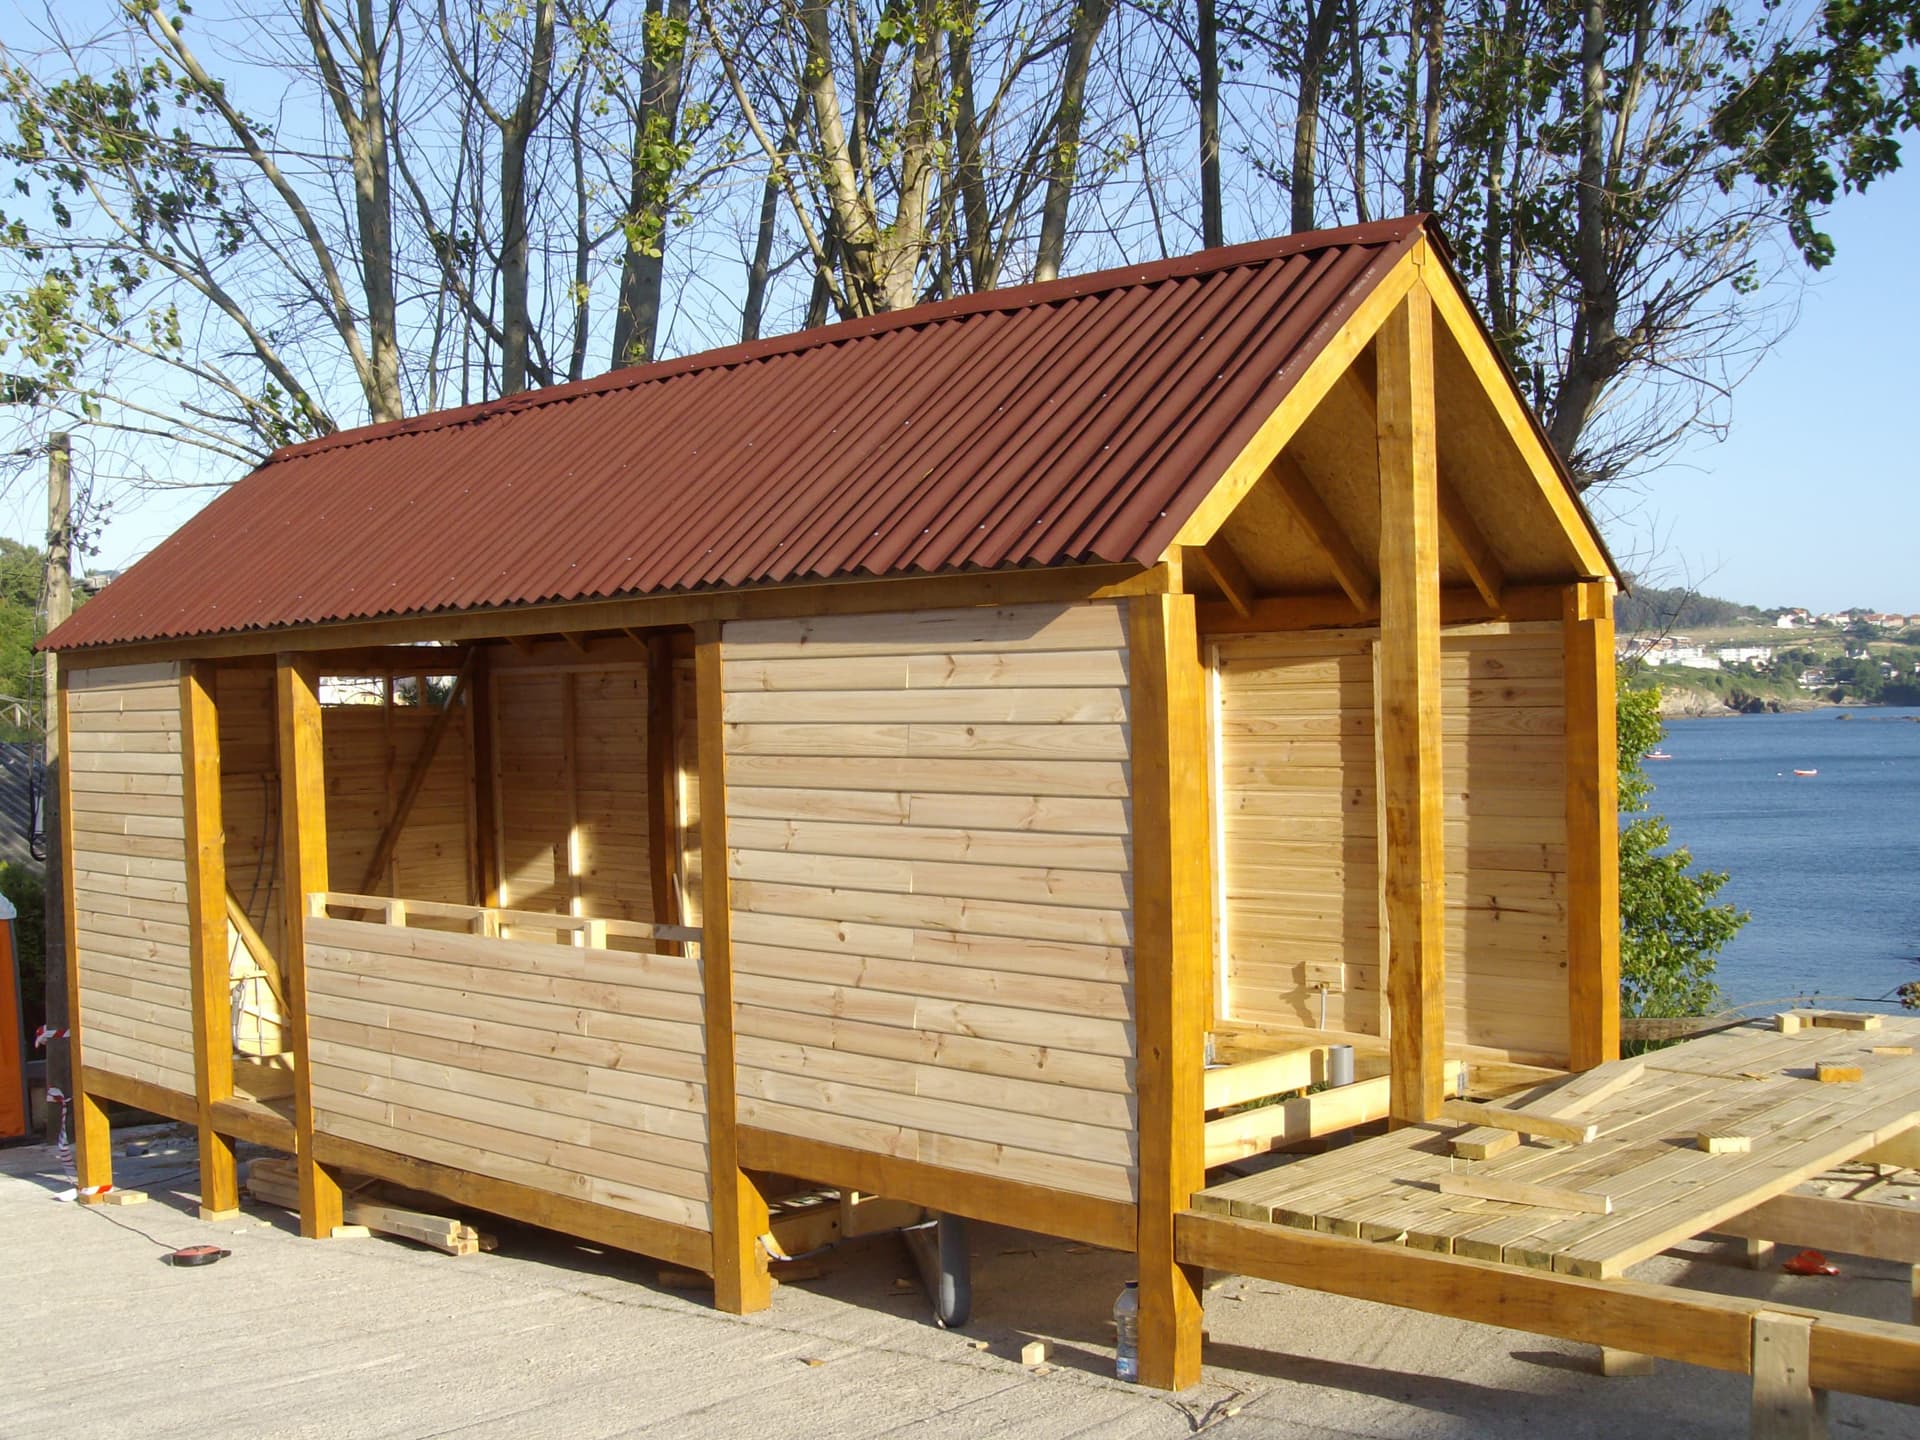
(571, 788)
(572, 1070)
(1506, 816)
(129, 873)
(1299, 831)
(1298, 824)
(929, 837)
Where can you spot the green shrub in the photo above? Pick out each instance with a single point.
(27, 889)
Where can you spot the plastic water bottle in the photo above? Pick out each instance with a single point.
(1126, 1332)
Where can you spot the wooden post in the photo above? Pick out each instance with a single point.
(486, 821)
(303, 869)
(62, 999)
(739, 1210)
(1414, 878)
(1593, 828)
(663, 800)
(1172, 951)
(92, 1137)
(1785, 1404)
(206, 847)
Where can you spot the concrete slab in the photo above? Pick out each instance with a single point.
(353, 1338)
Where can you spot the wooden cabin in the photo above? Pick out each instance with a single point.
(948, 755)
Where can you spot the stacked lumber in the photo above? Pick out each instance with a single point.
(275, 1183)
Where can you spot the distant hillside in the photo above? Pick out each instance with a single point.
(1649, 608)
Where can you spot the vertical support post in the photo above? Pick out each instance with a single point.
(92, 1136)
(303, 862)
(739, 1210)
(485, 887)
(663, 808)
(1785, 1404)
(206, 847)
(1413, 881)
(1172, 950)
(1593, 827)
(574, 851)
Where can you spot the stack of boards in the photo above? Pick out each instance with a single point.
(275, 1182)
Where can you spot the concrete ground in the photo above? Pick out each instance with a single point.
(350, 1338)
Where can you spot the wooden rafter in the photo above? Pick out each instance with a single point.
(577, 640)
(1218, 561)
(1325, 531)
(1460, 531)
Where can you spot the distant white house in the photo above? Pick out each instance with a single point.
(1795, 619)
(1887, 622)
(1679, 650)
(1745, 654)
(1814, 680)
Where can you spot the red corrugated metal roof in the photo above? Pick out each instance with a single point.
(1074, 421)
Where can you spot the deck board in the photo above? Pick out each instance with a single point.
(1751, 1080)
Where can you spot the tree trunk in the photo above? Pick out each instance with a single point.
(976, 212)
(1435, 40)
(1357, 79)
(1594, 349)
(516, 321)
(1213, 230)
(1306, 127)
(1089, 18)
(361, 110)
(760, 271)
(656, 123)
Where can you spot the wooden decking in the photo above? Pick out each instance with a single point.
(1640, 1185)
(1587, 1177)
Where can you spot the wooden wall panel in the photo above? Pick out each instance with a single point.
(572, 1070)
(1299, 827)
(930, 847)
(128, 873)
(369, 751)
(571, 768)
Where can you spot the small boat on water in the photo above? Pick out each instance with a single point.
(1806, 772)
(1658, 755)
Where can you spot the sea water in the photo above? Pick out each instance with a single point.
(1828, 865)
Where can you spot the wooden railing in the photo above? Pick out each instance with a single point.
(588, 931)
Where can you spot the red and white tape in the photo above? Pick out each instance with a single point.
(62, 1150)
(43, 1035)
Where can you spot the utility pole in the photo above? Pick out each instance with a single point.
(59, 588)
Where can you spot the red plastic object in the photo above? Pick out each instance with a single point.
(198, 1255)
(1810, 1262)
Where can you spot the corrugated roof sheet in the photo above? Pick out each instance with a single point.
(1075, 421)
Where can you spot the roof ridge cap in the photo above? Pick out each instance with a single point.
(979, 302)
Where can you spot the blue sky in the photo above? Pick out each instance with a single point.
(1809, 501)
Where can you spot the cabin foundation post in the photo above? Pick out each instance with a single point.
(1172, 951)
(1593, 828)
(1785, 1404)
(1413, 874)
(738, 1209)
(207, 934)
(303, 871)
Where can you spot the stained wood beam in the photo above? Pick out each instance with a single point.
(663, 810)
(207, 935)
(483, 841)
(739, 1209)
(576, 640)
(1593, 826)
(1457, 525)
(1217, 561)
(1352, 572)
(523, 643)
(1413, 865)
(303, 871)
(1173, 931)
(1459, 605)
(416, 778)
